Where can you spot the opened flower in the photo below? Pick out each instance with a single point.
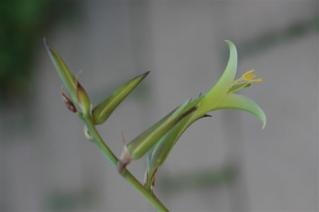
(158, 140)
(221, 96)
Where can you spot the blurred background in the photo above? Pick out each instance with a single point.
(226, 163)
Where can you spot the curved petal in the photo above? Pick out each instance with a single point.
(229, 74)
(235, 101)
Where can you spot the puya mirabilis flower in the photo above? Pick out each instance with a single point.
(221, 96)
(158, 140)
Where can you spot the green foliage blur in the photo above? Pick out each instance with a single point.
(22, 25)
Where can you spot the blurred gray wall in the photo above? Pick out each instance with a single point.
(52, 167)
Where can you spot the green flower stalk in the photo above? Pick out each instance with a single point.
(157, 141)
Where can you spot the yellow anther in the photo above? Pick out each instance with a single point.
(250, 76)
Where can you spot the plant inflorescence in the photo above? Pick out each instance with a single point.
(156, 142)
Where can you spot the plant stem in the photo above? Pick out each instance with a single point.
(126, 174)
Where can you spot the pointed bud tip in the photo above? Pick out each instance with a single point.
(142, 76)
(45, 42)
(46, 45)
(51, 51)
(145, 74)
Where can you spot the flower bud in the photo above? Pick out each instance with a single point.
(145, 141)
(64, 72)
(103, 110)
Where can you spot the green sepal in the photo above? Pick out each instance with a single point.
(146, 140)
(103, 110)
(157, 156)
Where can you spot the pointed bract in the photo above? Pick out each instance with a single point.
(145, 141)
(157, 156)
(103, 110)
(64, 72)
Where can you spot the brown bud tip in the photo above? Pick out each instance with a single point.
(68, 103)
(125, 159)
(146, 73)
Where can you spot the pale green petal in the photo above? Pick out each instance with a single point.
(229, 74)
(235, 101)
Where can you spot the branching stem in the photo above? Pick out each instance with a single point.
(126, 174)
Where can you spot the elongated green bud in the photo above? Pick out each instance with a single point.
(161, 149)
(125, 155)
(157, 156)
(141, 144)
(64, 72)
(103, 110)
